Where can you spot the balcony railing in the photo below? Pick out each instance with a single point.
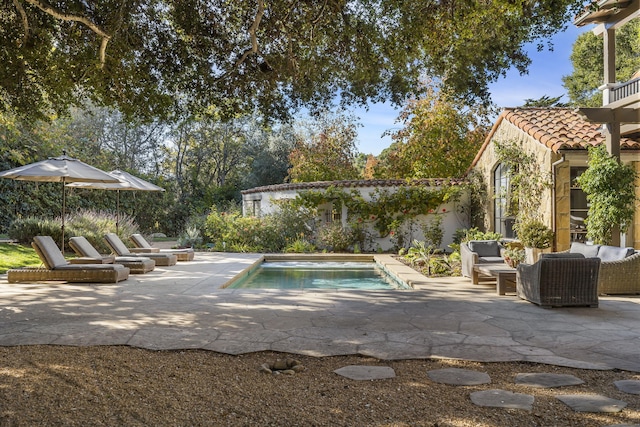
(624, 90)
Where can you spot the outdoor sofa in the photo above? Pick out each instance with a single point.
(558, 280)
(87, 253)
(143, 246)
(57, 268)
(476, 252)
(120, 249)
(619, 267)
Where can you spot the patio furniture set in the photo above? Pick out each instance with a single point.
(571, 278)
(91, 266)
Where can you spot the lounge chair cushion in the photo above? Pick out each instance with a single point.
(614, 253)
(81, 245)
(589, 251)
(116, 244)
(485, 248)
(53, 257)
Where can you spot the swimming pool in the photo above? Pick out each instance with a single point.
(317, 275)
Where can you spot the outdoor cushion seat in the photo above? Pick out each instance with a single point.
(479, 252)
(619, 268)
(120, 249)
(58, 268)
(142, 246)
(87, 253)
(557, 281)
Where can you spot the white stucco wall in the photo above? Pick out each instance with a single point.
(453, 214)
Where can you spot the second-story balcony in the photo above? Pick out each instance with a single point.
(630, 89)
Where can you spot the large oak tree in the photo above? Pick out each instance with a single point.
(152, 58)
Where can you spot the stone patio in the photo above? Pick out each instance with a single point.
(184, 307)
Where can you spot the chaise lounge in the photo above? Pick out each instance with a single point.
(120, 249)
(88, 254)
(143, 246)
(57, 268)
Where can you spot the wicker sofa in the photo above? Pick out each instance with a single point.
(619, 268)
(558, 280)
(479, 252)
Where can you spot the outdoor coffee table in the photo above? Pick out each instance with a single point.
(505, 276)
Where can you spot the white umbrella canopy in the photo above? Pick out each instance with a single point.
(127, 182)
(62, 169)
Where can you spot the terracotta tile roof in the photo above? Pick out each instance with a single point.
(560, 128)
(555, 128)
(434, 182)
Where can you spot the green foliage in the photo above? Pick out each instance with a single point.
(334, 238)
(387, 211)
(439, 139)
(464, 235)
(328, 153)
(610, 189)
(230, 231)
(92, 225)
(17, 256)
(514, 256)
(23, 230)
(430, 260)
(272, 56)
(190, 238)
(545, 101)
(527, 183)
(534, 234)
(433, 232)
(300, 246)
(588, 63)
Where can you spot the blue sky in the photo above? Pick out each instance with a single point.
(544, 78)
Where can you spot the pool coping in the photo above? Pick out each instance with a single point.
(393, 266)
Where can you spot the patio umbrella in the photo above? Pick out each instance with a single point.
(62, 169)
(127, 182)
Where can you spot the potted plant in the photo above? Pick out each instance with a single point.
(514, 254)
(535, 237)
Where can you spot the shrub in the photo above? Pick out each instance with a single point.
(534, 234)
(300, 246)
(333, 237)
(25, 229)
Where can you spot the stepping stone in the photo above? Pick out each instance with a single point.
(502, 399)
(592, 403)
(457, 376)
(362, 373)
(628, 386)
(547, 380)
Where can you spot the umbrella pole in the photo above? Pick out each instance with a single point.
(64, 201)
(117, 211)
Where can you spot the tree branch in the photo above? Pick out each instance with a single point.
(252, 33)
(81, 19)
(25, 20)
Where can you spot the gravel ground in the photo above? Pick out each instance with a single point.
(117, 385)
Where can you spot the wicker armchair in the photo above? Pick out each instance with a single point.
(620, 277)
(556, 281)
(619, 267)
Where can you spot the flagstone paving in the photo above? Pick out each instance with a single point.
(184, 307)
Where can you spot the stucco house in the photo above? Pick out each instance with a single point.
(259, 201)
(558, 138)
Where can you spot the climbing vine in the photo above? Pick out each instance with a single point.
(387, 211)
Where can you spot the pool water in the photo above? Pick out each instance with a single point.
(317, 275)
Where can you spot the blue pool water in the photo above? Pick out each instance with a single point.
(317, 275)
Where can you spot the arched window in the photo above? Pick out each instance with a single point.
(501, 222)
